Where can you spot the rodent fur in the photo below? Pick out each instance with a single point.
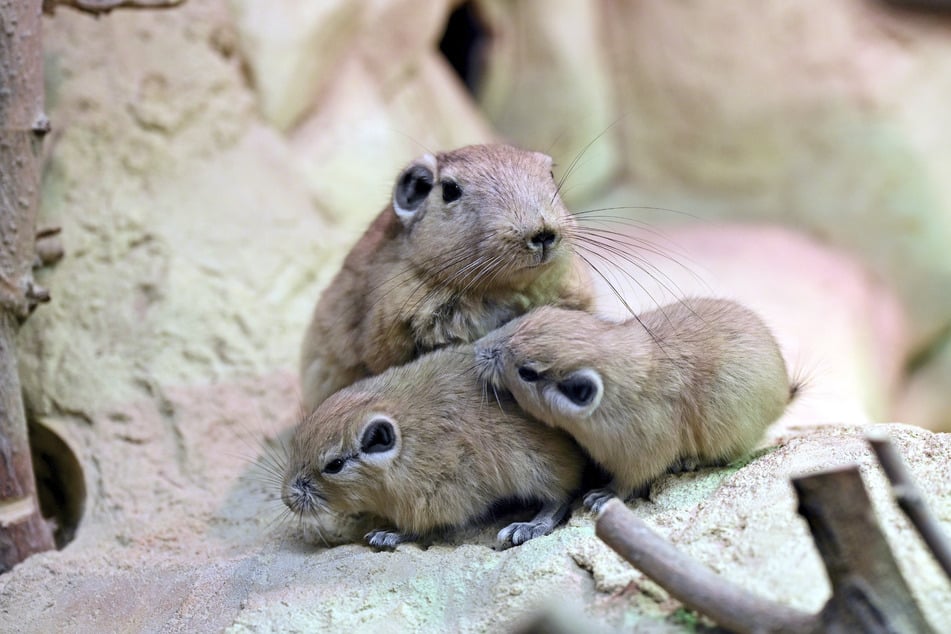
(471, 239)
(425, 448)
(690, 384)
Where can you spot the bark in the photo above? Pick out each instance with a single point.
(23, 531)
(692, 583)
(868, 592)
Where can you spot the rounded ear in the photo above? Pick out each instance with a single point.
(579, 394)
(379, 436)
(413, 186)
(544, 158)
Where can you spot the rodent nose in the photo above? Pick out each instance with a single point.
(542, 240)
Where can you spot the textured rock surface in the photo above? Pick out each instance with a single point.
(198, 236)
(217, 558)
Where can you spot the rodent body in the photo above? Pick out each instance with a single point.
(471, 239)
(691, 384)
(424, 447)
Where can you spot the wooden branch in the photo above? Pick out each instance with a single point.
(868, 592)
(909, 498)
(692, 583)
(105, 6)
(23, 530)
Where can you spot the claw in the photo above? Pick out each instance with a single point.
(386, 540)
(595, 499)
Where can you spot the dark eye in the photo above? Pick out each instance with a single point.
(528, 375)
(552, 175)
(334, 466)
(450, 191)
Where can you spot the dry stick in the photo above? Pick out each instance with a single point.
(23, 531)
(909, 498)
(692, 583)
(868, 592)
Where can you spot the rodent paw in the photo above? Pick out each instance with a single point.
(520, 532)
(595, 499)
(385, 540)
(684, 465)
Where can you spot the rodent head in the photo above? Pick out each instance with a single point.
(546, 360)
(482, 215)
(340, 455)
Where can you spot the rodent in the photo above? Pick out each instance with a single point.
(695, 383)
(471, 239)
(424, 448)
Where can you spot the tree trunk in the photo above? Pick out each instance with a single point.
(23, 531)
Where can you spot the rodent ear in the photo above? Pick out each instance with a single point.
(379, 436)
(580, 392)
(412, 188)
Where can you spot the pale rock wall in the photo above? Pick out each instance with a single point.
(210, 166)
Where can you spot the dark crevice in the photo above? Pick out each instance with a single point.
(60, 483)
(464, 44)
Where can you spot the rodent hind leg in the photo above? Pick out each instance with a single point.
(387, 540)
(548, 517)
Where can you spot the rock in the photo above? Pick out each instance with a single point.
(293, 49)
(354, 146)
(547, 86)
(824, 118)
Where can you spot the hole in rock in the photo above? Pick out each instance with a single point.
(60, 484)
(464, 44)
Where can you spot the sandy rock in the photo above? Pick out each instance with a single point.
(229, 567)
(547, 86)
(924, 400)
(353, 148)
(397, 35)
(823, 117)
(293, 49)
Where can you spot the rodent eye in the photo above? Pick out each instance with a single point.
(450, 191)
(334, 466)
(552, 174)
(528, 375)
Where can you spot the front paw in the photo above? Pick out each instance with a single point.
(595, 499)
(520, 532)
(386, 540)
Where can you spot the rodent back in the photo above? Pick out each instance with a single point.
(700, 377)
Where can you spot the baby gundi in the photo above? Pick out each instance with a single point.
(424, 448)
(691, 384)
(471, 239)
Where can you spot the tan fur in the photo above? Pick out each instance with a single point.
(449, 276)
(460, 450)
(696, 383)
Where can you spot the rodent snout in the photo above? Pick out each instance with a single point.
(300, 496)
(542, 240)
(488, 364)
